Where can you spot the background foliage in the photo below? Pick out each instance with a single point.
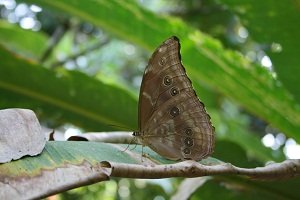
(80, 64)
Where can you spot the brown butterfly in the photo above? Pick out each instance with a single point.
(172, 120)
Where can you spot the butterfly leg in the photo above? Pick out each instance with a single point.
(131, 142)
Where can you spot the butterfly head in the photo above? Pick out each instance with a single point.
(136, 133)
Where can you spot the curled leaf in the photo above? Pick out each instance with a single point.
(20, 134)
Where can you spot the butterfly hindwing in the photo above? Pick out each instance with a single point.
(181, 126)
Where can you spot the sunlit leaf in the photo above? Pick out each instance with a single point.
(275, 23)
(65, 96)
(203, 56)
(28, 43)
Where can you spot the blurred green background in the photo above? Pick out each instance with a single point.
(79, 65)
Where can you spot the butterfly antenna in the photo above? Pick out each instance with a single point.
(142, 154)
(120, 127)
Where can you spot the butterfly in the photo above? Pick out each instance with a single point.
(173, 122)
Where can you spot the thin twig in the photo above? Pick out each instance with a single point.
(56, 37)
(80, 53)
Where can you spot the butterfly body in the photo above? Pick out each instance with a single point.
(172, 120)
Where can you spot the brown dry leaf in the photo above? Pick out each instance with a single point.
(50, 182)
(20, 134)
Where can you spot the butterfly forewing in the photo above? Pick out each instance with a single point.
(164, 58)
(172, 120)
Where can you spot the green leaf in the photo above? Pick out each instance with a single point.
(238, 188)
(65, 96)
(275, 23)
(63, 164)
(73, 155)
(27, 43)
(232, 153)
(60, 153)
(231, 129)
(203, 56)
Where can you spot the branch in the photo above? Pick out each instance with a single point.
(286, 169)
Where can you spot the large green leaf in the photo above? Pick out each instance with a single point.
(233, 131)
(28, 43)
(66, 165)
(65, 96)
(63, 164)
(204, 57)
(275, 23)
(58, 157)
(59, 153)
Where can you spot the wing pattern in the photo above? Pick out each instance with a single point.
(172, 120)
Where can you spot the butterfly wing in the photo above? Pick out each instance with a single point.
(180, 129)
(173, 122)
(151, 85)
